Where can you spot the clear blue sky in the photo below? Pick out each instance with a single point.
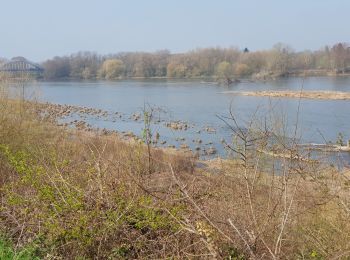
(41, 29)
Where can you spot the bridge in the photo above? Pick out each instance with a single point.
(20, 65)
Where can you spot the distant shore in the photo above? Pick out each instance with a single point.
(235, 79)
(231, 80)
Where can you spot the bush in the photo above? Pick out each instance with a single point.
(81, 195)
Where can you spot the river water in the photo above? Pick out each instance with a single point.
(200, 103)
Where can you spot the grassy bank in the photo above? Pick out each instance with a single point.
(8, 251)
(66, 194)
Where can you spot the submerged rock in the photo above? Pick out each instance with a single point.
(177, 125)
(184, 146)
(198, 141)
(136, 116)
(210, 129)
(210, 151)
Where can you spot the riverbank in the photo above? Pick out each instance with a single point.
(257, 77)
(328, 95)
(67, 193)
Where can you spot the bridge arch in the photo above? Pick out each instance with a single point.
(20, 64)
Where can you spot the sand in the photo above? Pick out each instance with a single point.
(330, 95)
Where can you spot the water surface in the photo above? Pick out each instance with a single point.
(200, 103)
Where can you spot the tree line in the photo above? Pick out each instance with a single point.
(224, 63)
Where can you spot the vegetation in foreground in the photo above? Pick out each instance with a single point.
(71, 195)
(9, 252)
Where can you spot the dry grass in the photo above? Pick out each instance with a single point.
(75, 195)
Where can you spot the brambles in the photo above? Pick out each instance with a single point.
(72, 194)
(147, 134)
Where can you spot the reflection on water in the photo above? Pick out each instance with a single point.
(199, 103)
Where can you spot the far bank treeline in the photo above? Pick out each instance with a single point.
(221, 63)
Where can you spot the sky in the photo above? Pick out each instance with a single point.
(42, 29)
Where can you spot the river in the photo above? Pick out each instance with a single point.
(200, 103)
